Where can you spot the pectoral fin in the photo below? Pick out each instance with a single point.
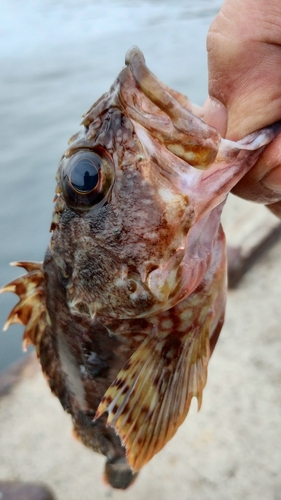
(151, 395)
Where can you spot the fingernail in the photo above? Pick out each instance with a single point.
(215, 114)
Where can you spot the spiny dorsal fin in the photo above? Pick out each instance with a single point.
(31, 308)
(151, 395)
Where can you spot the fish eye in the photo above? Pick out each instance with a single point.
(86, 179)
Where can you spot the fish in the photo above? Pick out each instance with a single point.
(128, 304)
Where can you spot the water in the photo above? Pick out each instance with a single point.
(57, 58)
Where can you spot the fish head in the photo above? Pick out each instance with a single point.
(137, 197)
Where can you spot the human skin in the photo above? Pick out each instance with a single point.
(244, 59)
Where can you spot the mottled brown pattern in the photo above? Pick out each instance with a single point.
(129, 302)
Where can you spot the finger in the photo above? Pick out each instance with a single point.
(244, 57)
(215, 114)
(263, 182)
(275, 208)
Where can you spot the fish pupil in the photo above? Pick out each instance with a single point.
(85, 174)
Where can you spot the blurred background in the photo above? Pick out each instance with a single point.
(57, 58)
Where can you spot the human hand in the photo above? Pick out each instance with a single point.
(244, 56)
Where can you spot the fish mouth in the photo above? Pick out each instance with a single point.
(199, 150)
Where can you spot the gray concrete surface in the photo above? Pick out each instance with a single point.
(231, 450)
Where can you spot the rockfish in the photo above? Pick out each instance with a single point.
(128, 304)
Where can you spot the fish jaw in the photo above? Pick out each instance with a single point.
(205, 166)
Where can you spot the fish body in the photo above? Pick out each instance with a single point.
(128, 304)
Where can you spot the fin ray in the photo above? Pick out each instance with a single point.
(31, 309)
(151, 395)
